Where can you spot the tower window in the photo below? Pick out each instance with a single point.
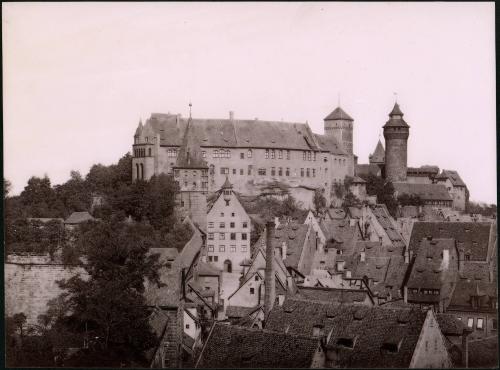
(149, 152)
(273, 154)
(222, 236)
(302, 172)
(267, 154)
(304, 156)
(307, 172)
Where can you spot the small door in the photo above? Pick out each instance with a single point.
(228, 266)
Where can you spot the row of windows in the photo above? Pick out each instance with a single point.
(272, 153)
(426, 291)
(223, 224)
(222, 248)
(171, 153)
(307, 172)
(232, 236)
(479, 323)
(204, 184)
(141, 152)
(177, 173)
(309, 156)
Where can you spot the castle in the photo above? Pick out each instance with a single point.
(269, 156)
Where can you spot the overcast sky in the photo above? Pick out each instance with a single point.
(78, 77)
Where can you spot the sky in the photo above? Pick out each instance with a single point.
(78, 77)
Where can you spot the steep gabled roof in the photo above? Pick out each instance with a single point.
(338, 114)
(189, 154)
(453, 176)
(330, 143)
(231, 346)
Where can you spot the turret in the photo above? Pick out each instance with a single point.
(396, 132)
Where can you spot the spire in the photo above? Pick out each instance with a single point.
(138, 131)
(396, 111)
(190, 154)
(378, 155)
(190, 105)
(396, 118)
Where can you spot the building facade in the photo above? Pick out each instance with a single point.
(253, 154)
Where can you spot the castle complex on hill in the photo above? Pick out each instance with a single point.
(263, 156)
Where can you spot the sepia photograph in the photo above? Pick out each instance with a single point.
(249, 185)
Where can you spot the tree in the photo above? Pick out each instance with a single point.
(410, 200)
(384, 190)
(73, 196)
(350, 200)
(111, 300)
(7, 186)
(319, 200)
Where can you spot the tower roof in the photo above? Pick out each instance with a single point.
(396, 118)
(338, 114)
(190, 155)
(378, 155)
(138, 131)
(227, 184)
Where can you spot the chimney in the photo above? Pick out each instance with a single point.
(270, 293)
(231, 115)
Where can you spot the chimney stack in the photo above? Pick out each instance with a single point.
(231, 115)
(270, 292)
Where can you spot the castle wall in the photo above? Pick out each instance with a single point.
(31, 283)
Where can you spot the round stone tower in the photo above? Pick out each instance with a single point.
(396, 132)
(339, 124)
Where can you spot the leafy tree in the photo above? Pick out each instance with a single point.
(350, 200)
(111, 300)
(73, 196)
(384, 190)
(410, 200)
(7, 186)
(319, 200)
(177, 237)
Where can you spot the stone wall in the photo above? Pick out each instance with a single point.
(396, 159)
(31, 282)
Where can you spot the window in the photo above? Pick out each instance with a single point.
(233, 248)
(204, 185)
(243, 236)
(256, 277)
(176, 173)
(149, 152)
(273, 154)
(308, 156)
(231, 225)
(245, 224)
(479, 324)
(307, 172)
(210, 248)
(210, 236)
(243, 248)
(314, 156)
(280, 154)
(302, 172)
(470, 322)
(234, 171)
(222, 248)
(280, 171)
(203, 154)
(222, 236)
(273, 171)
(267, 154)
(209, 258)
(262, 171)
(222, 214)
(241, 171)
(494, 324)
(467, 257)
(287, 154)
(216, 258)
(210, 225)
(233, 236)
(252, 291)
(249, 170)
(314, 172)
(287, 172)
(222, 225)
(242, 155)
(232, 214)
(249, 153)
(304, 156)
(227, 202)
(459, 318)
(224, 171)
(216, 153)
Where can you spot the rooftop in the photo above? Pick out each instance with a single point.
(78, 218)
(426, 192)
(338, 114)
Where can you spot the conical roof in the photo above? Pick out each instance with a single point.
(378, 155)
(396, 118)
(190, 155)
(338, 114)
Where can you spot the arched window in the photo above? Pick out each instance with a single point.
(149, 152)
(249, 153)
(216, 153)
(142, 172)
(137, 174)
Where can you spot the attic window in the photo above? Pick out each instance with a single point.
(346, 342)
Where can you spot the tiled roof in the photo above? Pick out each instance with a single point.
(378, 155)
(190, 250)
(373, 328)
(385, 220)
(339, 234)
(338, 114)
(465, 290)
(230, 346)
(422, 170)
(366, 169)
(330, 144)
(426, 192)
(396, 118)
(78, 217)
(483, 353)
(430, 271)
(449, 324)
(294, 235)
(473, 237)
(333, 295)
(221, 133)
(336, 213)
(454, 177)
